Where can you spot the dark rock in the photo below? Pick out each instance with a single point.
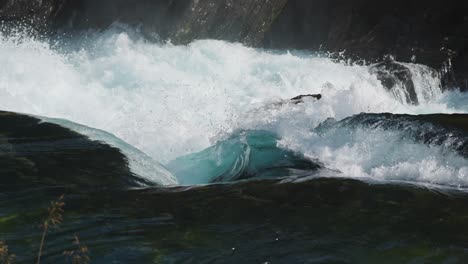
(155, 18)
(396, 78)
(36, 153)
(444, 130)
(300, 98)
(35, 13)
(245, 21)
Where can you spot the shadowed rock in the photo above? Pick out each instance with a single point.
(245, 21)
(36, 153)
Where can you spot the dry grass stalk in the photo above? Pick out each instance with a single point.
(80, 254)
(53, 220)
(5, 256)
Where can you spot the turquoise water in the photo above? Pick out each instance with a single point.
(250, 154)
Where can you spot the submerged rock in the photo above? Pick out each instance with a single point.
(449, 131)
(37, 153)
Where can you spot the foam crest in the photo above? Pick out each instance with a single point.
(382, 155)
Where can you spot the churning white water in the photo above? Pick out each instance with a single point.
(169, 101)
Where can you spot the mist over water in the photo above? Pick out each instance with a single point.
(169, 101)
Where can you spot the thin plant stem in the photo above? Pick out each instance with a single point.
(5, 256)
(41, 246)
(53, 219)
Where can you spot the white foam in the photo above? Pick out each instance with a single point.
(170, 100)
(427, 84)
(382, 155)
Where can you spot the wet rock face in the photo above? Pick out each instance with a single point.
(394, 77)
(39, 10)
(155, 18)
(243, 21)
(36, 153)
(246, 21)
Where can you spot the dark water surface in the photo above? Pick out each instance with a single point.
(268, 218)
(321, 220)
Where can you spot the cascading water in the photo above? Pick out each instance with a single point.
(427, 82)
(169, 101)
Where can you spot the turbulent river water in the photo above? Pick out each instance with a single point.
(169, 101)
(214, 111)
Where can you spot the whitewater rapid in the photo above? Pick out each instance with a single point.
(169, 101)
